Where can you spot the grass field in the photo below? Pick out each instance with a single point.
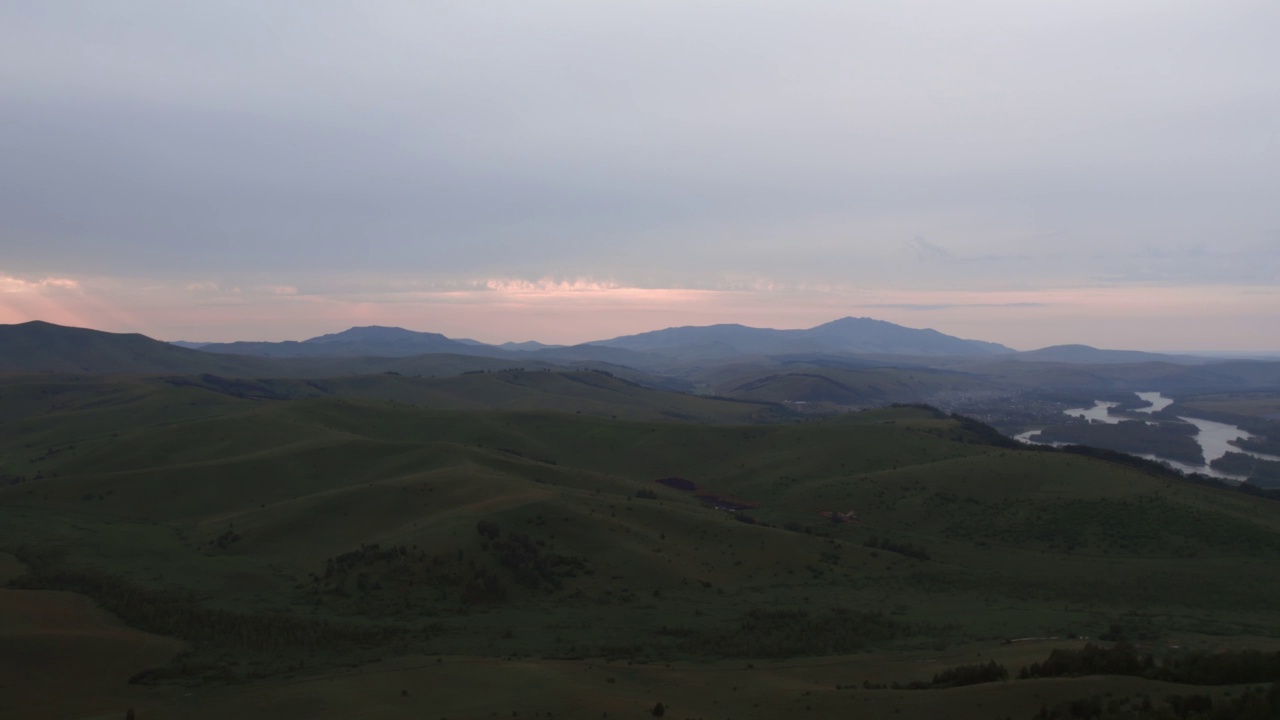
(1247, 404)
(388, 547)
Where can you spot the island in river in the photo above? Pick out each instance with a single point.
(1172, 440)
(1189, 444)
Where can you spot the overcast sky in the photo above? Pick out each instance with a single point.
(1030, 173)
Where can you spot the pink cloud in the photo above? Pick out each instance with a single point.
(570, 311)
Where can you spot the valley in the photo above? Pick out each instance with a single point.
(569, 542)
(1169, 441)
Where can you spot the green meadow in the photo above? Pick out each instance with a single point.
(570, 544)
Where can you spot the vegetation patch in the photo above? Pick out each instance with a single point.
(959, 676)
(1251, 704)
(787, 633)
(399, 580)
(534, 565)
(902, 548)
(224, 645)
(1228, 667)
(1173, 440)
(676, 483)
(1263, 473)
(1146, 524)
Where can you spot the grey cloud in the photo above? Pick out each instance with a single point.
(655, 141)
(927, 251)
(952, 306)
(1251, 264)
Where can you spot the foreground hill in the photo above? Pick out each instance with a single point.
(591, 565)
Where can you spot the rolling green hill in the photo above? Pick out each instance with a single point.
(399, 524)
(859, 387)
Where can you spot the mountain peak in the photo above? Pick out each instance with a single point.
(373, 333)
(360, 341)
(845, 335)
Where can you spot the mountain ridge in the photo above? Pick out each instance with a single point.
(39, 346)
(359, 341)
(847, 335)
(1089, 355)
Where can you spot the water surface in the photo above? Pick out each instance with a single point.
(1157, 402)
(1097, 412)
(1214, 437)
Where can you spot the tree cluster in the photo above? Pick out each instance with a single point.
(1231, 667)
(785, 633)
(533, 565)
(1254, 704)
(901, 548)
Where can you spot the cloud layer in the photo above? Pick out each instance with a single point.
(640, 150)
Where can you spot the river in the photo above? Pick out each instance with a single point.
(1214, 437)
(1100, 412)
(1157, 402)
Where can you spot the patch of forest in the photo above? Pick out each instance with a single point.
(223, 645)
(1195, 668)
(1172, 440)
(1263, 473)
(789, 633)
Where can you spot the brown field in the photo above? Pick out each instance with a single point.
(1262, 404)
(63, 657)
(10, 568)
(460, 688)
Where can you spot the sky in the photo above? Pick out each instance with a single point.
(1032, 174)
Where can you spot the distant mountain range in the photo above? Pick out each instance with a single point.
(719, 359)
(41, 347)
(854, 336)
(370, 341)
(44, 347)
(845, 336)
(1085, 355)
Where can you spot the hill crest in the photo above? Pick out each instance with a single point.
(846, 335)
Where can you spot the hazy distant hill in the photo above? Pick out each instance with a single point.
(601, 354)
(657, 350)
(370, 341)
(528, 346)
(718, 364)
(44, 347)
(847, 335)
(1084, 354)
(47, 348)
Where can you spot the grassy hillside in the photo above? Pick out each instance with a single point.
(43, 347)
(838, 386)
(322, 553)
